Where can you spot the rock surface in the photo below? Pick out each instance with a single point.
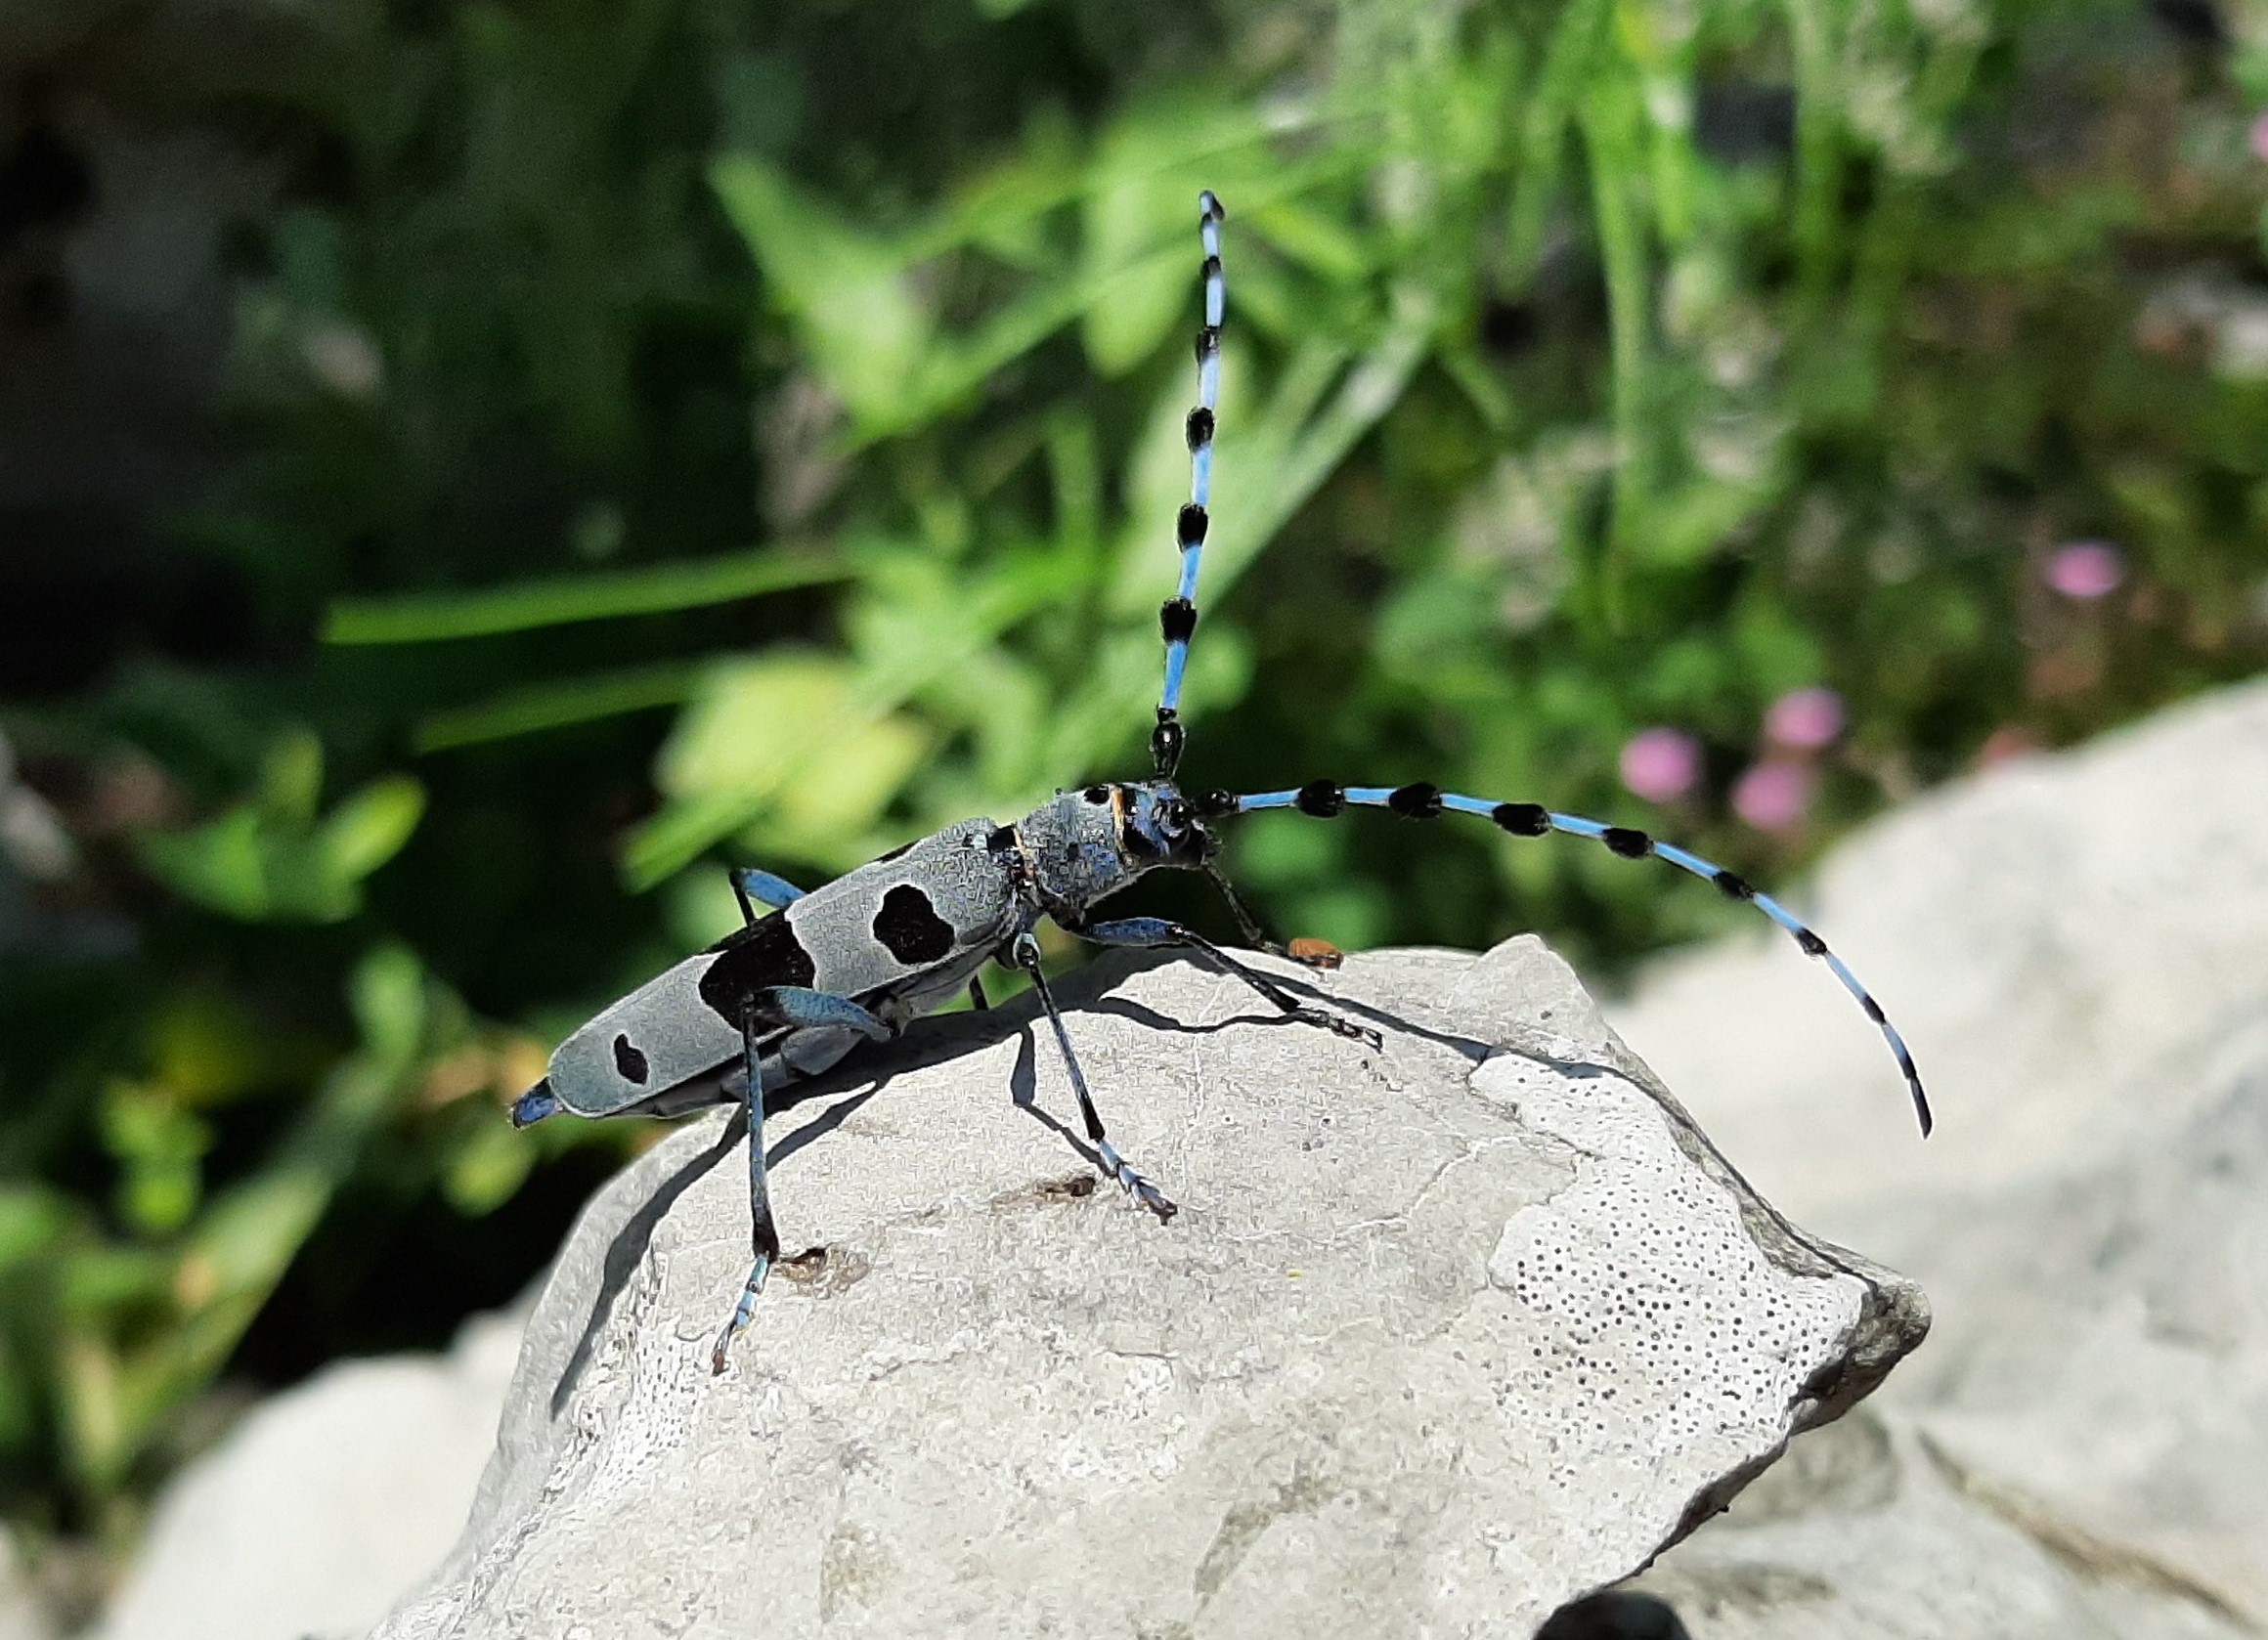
(325, 1503)
(2077, 948)
(21, 1618)
(1443, 1335)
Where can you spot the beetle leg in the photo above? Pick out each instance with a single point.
(762, 889)
(1024, 952)
(801, 1008)
(1153, 931)
(764, 1234)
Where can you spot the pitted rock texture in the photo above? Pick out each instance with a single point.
(1443, 1335)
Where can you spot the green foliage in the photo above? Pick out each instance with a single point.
(702, 431)
(275, 857)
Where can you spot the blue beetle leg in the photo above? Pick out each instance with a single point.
(1150, 931)
(1024, 951)
(976, 997)
(764, 1234)
(798, 1007)
(762, 889)
(801, 1007)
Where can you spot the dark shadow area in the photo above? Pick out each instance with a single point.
(1615, 1614)
(1023, 1091)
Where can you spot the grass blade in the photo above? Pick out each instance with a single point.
(557, 706)
(423, 618)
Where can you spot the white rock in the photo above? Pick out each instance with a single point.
(1865, 1531)
(22, 1615)
(2071, 944)
(325, 1503)
(1443, 1336)
(2078, 947)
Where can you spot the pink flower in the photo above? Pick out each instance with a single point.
(2256, 137)
(1773, 795)
(2086, 570)
(1661, 764)
(2005, 744)
(1805, 719)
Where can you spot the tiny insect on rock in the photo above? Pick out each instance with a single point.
(792, 992)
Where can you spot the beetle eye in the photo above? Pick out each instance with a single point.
(1097, 793)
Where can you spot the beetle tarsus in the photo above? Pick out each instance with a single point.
(742, 1313)
(1134, 1184)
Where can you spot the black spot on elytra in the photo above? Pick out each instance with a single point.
(910, 929)
(630, 1062)
(747, 960)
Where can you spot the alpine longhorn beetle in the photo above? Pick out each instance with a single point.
(788, 995)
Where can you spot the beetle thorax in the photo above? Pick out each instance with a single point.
(1073, 845)
(1084, 845)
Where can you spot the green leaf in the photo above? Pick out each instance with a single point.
(792, 734)
(369, 828)
(31, 1218)
(847, 292)
(270, 859)
(425, 617)
(220, 865)
(387, 992)
(292, 778)
(488, 1170)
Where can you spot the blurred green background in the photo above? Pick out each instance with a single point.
(467, 469)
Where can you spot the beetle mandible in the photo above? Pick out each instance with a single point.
(790, 993)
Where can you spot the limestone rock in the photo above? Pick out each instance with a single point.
(2077, 948)
(2073, 943)
(22, 1617)
(1443, 1335)
(1870, 1531)
(325, 1503)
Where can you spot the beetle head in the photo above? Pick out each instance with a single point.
(1085, 844)
(1157, 827)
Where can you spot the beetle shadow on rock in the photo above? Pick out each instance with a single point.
(938, 1040)
(628, 1246)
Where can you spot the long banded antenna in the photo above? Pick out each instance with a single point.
(1177, 617)
(1424, 801)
